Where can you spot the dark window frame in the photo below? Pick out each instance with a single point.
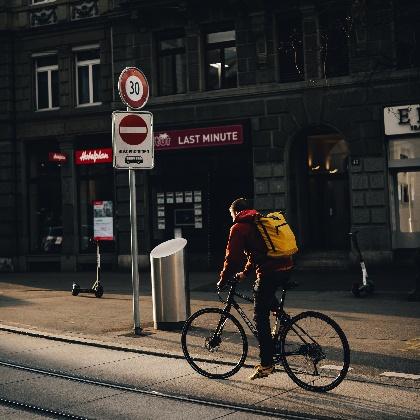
(407, 34)
(173, 53)
(334, 38)
(290, 54)
(52, 71)
(220, 47)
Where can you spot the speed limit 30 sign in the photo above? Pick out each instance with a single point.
(133, 87)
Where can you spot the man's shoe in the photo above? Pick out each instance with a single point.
(262, 372)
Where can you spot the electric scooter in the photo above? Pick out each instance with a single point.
(367, 287)
(96, 288)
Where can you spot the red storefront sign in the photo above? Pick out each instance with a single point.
(226, 135)
(57, 157)
(92, 156)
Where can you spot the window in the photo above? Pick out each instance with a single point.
(95, 183)
(172, 65)
(407, 34)
(44, 198)
(404, 165)
(47, 90)
(290, 48)
(221, 60)
(334, 37)
(87, 77)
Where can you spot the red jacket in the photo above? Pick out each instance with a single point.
(245, 240)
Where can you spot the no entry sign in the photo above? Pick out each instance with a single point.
(133, 87)
(132, 139)
(133, 129)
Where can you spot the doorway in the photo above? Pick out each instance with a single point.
(321, 184)
(191, 191)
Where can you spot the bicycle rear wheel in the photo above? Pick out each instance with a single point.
(314, 351)
(214, 343)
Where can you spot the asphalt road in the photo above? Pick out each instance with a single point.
(354, 398)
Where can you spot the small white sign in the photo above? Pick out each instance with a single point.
(404, 119)
(197, 196)
(169, 197)
(188, 196)
(179, 197)
(160, 198)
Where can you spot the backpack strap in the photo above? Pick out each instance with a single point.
(265, 233)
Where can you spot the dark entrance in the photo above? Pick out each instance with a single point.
(321, 199)
(191, 191)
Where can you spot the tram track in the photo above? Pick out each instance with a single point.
(54, 413)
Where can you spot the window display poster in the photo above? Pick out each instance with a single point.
(197, 196)
(188, 196)
(103, 221)
(179, 197)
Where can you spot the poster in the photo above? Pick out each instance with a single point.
(103, 222)
(179, 197)
(188, 196)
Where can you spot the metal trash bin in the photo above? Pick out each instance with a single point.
(170, 289)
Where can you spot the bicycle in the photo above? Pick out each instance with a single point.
(311, 346)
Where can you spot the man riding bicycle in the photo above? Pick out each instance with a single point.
(244, 238)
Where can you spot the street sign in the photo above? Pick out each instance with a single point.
(133, 87)
(133, 129)
(132, 139)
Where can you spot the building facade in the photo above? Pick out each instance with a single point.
(310, 106)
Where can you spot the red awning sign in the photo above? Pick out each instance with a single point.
(133, 129)
(57, 157)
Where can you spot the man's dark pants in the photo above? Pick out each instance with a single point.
(265, 299)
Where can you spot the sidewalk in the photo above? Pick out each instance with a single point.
(42, 303)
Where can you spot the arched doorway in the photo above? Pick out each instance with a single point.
(320, 189)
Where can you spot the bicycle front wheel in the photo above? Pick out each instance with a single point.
(314, 351)
(214, 343)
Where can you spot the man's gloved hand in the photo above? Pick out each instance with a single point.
(240, 276)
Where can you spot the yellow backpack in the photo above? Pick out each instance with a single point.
(277, 235)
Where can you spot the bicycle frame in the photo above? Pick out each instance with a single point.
(231, 302)
(281, 317)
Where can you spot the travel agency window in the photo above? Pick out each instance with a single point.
(46, 81)
(95, 183)
(221, 60)
(44, 198)
(87, 75)
(290, 47)
(172, 76)
(403, 124)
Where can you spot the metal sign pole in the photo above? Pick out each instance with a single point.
(132, 131)
(134, 249)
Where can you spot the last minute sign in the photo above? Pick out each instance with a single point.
(227, 135)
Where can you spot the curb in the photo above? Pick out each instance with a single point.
(88, 342)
